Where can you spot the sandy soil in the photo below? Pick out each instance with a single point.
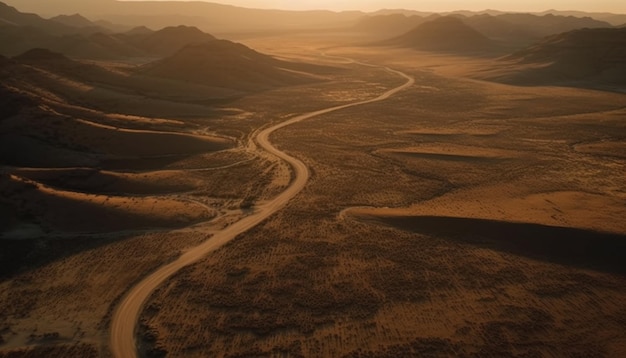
(461, 218)
(458, 218)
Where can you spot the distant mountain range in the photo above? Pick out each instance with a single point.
(210, 17)
(509, 29)
(76, 36)
(185, 53)
(218, 18)
(585, 57)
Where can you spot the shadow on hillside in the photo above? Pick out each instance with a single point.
(17, 256)
(567, 246)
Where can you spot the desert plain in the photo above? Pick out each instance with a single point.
(460, 216)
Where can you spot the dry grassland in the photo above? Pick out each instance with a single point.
(458, 218)
(93, 224)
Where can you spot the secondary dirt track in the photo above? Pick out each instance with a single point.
(123, 324)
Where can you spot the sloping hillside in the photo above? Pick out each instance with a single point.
(222, 63)
(11, 17)
(388, 25)
(445, 34)
(169, 40)
(587, 56)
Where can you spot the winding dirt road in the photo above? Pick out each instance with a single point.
(125, 317)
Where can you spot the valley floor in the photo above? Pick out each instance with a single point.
(456, 218)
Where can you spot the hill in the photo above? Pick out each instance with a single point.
(75, 20)
(74, 36)
(207, 16)
(139, 30)
(444, 34)
(11, 17)
(581, 57)
(84, 39)
(169, 40)
(388, 25)
(499, 29)
(613, 19)
(542, 26)
(222, 63)
(38, 55)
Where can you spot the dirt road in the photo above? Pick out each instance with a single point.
(125, 317)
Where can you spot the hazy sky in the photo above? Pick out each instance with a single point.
(618, 6)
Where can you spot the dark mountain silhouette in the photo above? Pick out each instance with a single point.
(510, 30)
(499, 29)
(388, 25)
(139, 30)
(41, 55)
(114, 28)
(82, 25)
(613, 19)
(169, 40)
(211, 17)
(542, 26)
(222, 63)
(16, 39)
(586, 57)
(20, 32)
(11, 17)
(75, 20)
(112, 47)
(92, 41)
(401, 11)
(467, 13)
(445, 34)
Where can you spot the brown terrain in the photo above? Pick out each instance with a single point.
(444, 34)
(311, 198)
(586, 55)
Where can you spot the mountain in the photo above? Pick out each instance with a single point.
(169, 40)
(28, 31)
(210, 17)
(75, 20)
(222, 63)
(388, 25)
(542, 26)
(11, 17)
(497, 28)
(114, 28)
(444, 34)
(139, 30)
(20, 32)
(41, 55)
(401, 11)
(613, 19)
(110, 47)
(98, 46)
(586, 56)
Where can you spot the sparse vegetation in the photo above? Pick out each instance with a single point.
(455, 218)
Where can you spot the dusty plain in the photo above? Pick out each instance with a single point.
(458, 218)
